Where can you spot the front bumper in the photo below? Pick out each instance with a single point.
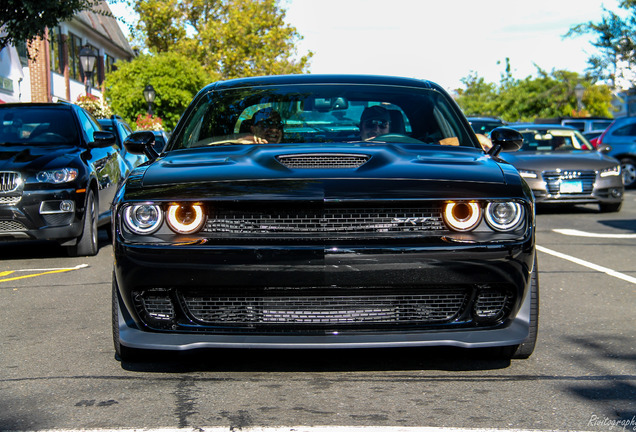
(211, 270)
(41, 215)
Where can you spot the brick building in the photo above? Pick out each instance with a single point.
(53, 71)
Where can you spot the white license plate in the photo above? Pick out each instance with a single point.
(571, 187)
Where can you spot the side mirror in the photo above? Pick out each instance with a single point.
(103, 139)
(604, 148)
(141, 142)
(504, 139)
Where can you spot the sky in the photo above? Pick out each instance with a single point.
(442, 40)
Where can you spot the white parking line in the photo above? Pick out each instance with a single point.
(577, 233)
(589, 265)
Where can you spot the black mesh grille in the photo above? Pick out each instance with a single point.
(314, 310)
(322, 160)
(321, 221)
(555, 179)
(11, 225)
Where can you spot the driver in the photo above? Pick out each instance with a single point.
(375, 121)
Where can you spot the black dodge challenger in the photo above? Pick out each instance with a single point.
(324, 211)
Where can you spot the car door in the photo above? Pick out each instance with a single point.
(106, 163)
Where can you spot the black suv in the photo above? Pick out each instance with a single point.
(59, 172)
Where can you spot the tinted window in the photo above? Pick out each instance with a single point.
(324, 113)
(627, 130)
(37, 125)
(553, 140)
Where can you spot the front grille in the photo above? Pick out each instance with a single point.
(278, 310)
(9, 181)
(326, 221)
(11, 226)
(322, 160)
(554, 179)
(336, 310)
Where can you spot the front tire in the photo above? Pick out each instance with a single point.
(87, 243)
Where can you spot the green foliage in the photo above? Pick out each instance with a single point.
(23, 20)
(175, 77)
(547, 95)
(230, 38)
(615, 43)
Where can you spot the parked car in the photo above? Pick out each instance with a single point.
(562, 167)
(121, 129)
(59, 172)
(332, 211)
(483, 125)
(619, 141)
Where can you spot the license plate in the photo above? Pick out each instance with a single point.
(571, 187)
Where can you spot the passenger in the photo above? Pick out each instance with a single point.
(375, 121)
(266, 126)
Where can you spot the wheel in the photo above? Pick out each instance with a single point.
(525, 349)
(87, 243)
(628, 166)
(610, 208)
(122, 353)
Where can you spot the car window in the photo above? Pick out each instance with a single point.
(324, 113)
(37, 125)
(627, 130)
(88, 124)
(554, 140)
(600, 124)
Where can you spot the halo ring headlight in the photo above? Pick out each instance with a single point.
(503, 216)
(185, 218)
(462, 216)
(143, 218)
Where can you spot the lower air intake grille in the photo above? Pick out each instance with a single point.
(319, 311)
(11, 226)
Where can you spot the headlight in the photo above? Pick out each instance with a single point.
(613, 171)
(528, 174)
(503, 216)
(462, 216)
(185, 218)
(143, 218)
(63, 175)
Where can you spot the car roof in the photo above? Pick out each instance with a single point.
(321, 79)
(26, 105)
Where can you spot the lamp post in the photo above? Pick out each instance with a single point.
(579, 90)
(87, 57)
(149, 95)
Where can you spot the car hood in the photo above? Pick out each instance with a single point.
(392, 171)
(542, 161)
(19, 157)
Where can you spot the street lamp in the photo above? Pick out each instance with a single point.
(87, 57)
(579, 90)
(149, 95)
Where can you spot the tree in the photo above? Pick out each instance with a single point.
(615, 42)
(23, 20)
(230, 38)
(175, 77)
(547, 95)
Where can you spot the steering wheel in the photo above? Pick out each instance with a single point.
(396, 138)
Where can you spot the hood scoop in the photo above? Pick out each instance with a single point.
(323, 160)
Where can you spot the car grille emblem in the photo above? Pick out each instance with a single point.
(569, 175)
(411, 220)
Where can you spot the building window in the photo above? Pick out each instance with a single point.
(55, 43)
(109, 63)
(23, 53)
(74, 47)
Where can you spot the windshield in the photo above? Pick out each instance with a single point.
(554, 140)
(322, 113)
(37, 125)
